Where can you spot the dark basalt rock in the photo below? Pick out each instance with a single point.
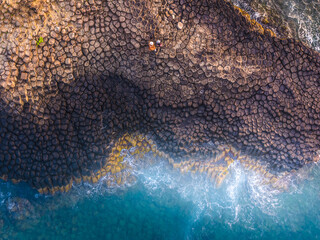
(215, 79)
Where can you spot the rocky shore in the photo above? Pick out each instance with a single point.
(78, 75)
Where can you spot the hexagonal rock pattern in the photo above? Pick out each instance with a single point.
(220, 78)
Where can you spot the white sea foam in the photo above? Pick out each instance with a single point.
(305, 16)
(242, 193)
(308, 20)
(241, 201)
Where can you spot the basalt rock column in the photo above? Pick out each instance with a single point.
(218, 78)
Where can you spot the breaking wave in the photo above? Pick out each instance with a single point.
(302, 17)
(164, 203)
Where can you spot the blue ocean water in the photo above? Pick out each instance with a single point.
(165, 204)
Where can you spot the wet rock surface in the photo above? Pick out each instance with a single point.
(19, 208)
(294, 19)
(218, 78)
(271, 14)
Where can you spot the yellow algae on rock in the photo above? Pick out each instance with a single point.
(255, 26)
(115, 163)
(115, 167)
(221, 177)
(217, 168)
(118, 179)
(136, 146)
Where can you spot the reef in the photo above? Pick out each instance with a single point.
(77, 76)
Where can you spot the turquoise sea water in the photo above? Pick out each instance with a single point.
(165, 204)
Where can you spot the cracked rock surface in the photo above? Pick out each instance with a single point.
(217, 78)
